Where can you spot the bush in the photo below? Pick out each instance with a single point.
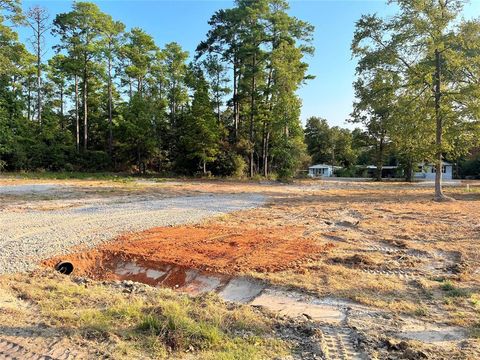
(91, 160)
(351, 171)
(470, 168)
(346, 172)
(229, 163)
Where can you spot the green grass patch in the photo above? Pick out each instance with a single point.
(421, 311)
(67, 175)
(155, 323)
(452, 291)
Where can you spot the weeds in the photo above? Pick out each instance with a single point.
(475, 331)
(452, 291)
(421, 311)
(158, 322)
(64, 175)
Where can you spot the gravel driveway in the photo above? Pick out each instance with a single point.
(30, 236)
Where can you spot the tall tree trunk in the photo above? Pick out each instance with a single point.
(29, 101)
(439, 196)
(39, 73)
(252, 113)
(264, 145)
(85, 108)
(12, 112)
(62, 117)
(380, 159)
(409, 171)
(217, 95)
(265, 155)
(236, 112)
(266, 130)
(77, 116)
(140, 86)
(110, 112)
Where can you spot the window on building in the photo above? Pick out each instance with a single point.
(444, 169)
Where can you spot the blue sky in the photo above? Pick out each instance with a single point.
(330, 95)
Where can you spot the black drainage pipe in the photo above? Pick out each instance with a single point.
(64, 267)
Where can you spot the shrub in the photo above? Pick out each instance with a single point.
(229, 163)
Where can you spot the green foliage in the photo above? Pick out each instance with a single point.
(265, 48)
(329, 145)
(229, 163)
(352, 171)
(113, 100)
(470, 167)
(415, 88)
(199, 129)
(452, 291)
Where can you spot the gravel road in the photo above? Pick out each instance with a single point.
(28, 189)
(29, 236)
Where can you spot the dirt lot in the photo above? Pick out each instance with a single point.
(398, 274)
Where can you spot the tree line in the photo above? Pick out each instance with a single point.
(112, 99)
(353, 150)
(418, 83)
(417, 93)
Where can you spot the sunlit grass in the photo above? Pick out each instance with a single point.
(155, 323)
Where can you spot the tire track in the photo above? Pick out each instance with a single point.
(405, 275)
(337, 343)
(13, 351)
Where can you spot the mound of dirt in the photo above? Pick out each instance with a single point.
(215, 248)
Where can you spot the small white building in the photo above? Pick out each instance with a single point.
(322, 170)
(427, 171)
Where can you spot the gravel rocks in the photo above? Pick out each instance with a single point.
(28, 189)
(30, 236)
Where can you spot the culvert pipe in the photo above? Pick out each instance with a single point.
(64, 267)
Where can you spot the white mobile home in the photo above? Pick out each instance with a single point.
(427, 171)
(322, 170)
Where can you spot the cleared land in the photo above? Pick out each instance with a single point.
(33, 234)
(365, 270)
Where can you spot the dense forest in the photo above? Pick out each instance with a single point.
(112, 99)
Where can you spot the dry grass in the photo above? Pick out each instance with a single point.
(383, 227)
(390, 247)
(146, 323)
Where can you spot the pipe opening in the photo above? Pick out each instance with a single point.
(64, 267)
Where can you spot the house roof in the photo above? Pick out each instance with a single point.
(432, 164)
(320, 166)
(386, 167)
(324, 166)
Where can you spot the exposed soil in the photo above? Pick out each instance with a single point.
(27, 237)
(214, 248)
(399, 273)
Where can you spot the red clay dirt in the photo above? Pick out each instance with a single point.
(212, 248)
